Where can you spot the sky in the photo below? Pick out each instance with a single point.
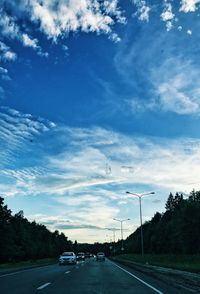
(98, 98)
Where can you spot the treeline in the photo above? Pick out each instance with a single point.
(176, 231)
(23, 240)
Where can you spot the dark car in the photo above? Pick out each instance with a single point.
(87, 255)
(80, 256)
(100, 256)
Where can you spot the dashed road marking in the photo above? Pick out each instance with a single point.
(143, 282)
(43, 286)
(67, 272)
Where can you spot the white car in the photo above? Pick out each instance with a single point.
(67, 258)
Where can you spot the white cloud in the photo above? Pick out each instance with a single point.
(18, 129)
(4, 76)
(92, 209)
(174, 100)
(171, 11)
(5, 53)
(177, 85)
(27, 41)
(189, 5)
(168, 16)
(167, 13)
(88, 16)
(115, 38)
(3, 70)
(169, 25)
(21, 20)
(9, 27)
(94, 217)
(91, 170)
(71, 170)
(58, 18)
(66, 50)
(9, 55)
(189, 32)
(143, 10)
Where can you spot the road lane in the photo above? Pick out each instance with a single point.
(137, 278)
(27, 281)
(98, 278)
(89, 277)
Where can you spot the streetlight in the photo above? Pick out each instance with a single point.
(121, 221)
(113, 230)
(141, 231)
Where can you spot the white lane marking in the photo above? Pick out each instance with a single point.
(43, 286)
(67, 272)
(143, 282)
(18, 272)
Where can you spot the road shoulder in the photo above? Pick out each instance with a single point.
(179, 279)
(12, 268)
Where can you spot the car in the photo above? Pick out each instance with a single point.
(80, 256)
(67, 258)
(87, 255)
(100, 256)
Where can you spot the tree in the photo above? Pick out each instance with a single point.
(170, 203)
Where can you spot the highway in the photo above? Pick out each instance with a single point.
(89, 277)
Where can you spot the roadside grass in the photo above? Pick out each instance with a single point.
(27, 263)
(189, 263)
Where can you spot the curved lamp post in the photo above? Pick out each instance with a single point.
(121, 222)
(113, 230)
(141, 231)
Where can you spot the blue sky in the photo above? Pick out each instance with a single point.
(97, 99)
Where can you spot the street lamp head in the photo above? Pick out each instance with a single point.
(140, 195)
(121, 220)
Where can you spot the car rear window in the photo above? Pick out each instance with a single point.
(67, 254)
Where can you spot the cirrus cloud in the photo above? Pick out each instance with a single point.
(88, 170)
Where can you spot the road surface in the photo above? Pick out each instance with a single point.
(89, 277)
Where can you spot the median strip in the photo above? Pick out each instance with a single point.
(143, 282)
(43, 286)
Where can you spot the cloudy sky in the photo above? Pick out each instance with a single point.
(97, 98)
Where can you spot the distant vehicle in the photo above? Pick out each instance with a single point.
(67, 258)
(100, 256)
(87, 255)
(80, 256)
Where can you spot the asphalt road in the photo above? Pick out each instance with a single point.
(89, 277)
